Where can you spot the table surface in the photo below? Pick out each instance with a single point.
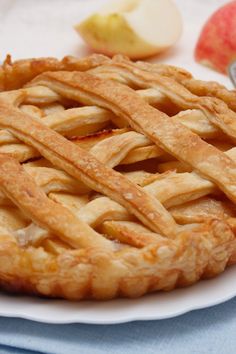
(30, 28)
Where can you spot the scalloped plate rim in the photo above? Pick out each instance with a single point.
(156, 306)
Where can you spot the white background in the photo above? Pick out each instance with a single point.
(34, 28)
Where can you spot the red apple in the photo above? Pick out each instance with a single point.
(216, 46)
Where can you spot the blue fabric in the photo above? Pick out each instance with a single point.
(207, 331)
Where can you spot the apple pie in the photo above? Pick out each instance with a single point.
(116, 178)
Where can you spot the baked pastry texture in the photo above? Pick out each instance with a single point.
(116, 178)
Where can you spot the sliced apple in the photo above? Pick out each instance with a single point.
(137, 28)
(216, 46)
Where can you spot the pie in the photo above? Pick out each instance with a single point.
(116, 178)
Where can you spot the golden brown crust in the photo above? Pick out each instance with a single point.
(19, 187)
(77, 227)
(85, 167)
(94, 273)
(170, 135)
(197, 87)
(15, 74)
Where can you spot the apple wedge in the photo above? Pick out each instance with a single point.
(136, 28)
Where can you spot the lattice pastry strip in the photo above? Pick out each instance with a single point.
(159, 196)
(170, 135)
(84, 120)
(198, 87)
(209, 110)
(90, 216)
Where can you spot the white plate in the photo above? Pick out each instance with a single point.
(151, 307)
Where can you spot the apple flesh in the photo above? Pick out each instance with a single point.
(216, 46)
(136, 28)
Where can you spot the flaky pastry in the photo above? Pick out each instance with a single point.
(116, 178)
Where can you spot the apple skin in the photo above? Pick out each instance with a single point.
(216, 46)
(98, 30)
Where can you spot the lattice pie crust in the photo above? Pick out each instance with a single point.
(116, 178)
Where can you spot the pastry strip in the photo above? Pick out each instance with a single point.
(82, 165)
(170, 135)
(24, 193)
